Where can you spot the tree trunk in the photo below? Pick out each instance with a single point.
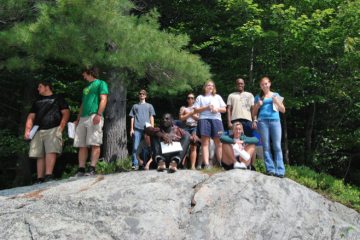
(286, 147)
(25, 165)
(251, 67)
(115, 138)
(309, 131)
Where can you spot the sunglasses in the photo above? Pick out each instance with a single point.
(190, 98)
(142, 93)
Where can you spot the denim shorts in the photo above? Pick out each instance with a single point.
(190, 130)
(228, 167)
(210, 128)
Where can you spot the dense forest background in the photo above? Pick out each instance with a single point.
(309, 50)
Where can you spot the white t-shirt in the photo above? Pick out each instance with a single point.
(190, 118)
(203, 101)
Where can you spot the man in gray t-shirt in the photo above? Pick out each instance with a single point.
(140, 113)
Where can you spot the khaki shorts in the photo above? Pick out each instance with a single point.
(46, 141)
(87, 134)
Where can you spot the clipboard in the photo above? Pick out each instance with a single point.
(280, 100)
(175, 147)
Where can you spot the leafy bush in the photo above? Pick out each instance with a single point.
(326, 184)
(101, 167)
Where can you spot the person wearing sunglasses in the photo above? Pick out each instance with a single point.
(189, 122)
(140, 113)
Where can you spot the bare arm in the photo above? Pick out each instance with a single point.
(131, 127)
(102, 105)
(229, 111)
(281, 106)
(64, 119)
(187, 115)
(152, 121)
(254, 111)
(78, 116)
(29, 124)
(221, 110)
(201, 109)
(195, 116)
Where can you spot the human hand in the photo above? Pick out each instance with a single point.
(167, 140)
(260, 102)
(27, 135)
(61, 128)
(254, 125)
(214, 110)
(96, 119)
(230, 125)
(76, 122)
(131, 132)
(274, 99)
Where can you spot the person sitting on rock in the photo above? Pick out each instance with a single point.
(231, 159)
(169, 133)
(143, 153)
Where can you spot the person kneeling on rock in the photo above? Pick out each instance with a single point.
(169, 133)
(237, 149)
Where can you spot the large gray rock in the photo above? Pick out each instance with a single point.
(186, 205)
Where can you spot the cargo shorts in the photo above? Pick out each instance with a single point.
(46, 141)
(87, 134)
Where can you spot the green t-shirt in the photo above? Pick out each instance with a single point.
(91, 97)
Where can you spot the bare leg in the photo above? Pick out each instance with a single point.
(218, 151)
(40, 166)
(250, 149)
(205, 140)
(253, 160)
(228, 156)
(192, 156)
(83, 155)
(200, 160)
(95, 153)
(50, 160)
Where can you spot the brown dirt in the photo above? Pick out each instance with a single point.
(35, 194)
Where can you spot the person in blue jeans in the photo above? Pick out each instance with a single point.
(143, 153)
(269, 125)
(140, 114)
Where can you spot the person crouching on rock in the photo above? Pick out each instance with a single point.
(231, 158)
(169, 133)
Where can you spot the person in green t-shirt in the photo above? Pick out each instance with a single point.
(90, 120)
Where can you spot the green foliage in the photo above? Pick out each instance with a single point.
(326, 184)
(102, 167)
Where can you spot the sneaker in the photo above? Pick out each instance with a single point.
(90, 172)
(237, 165)
(198, 167)
(161, 165)
(207, 167)
(79, 174)
(39, 181)
(133, 168)
(281, 176)
(270, 174)
(141, 168)
(242, 165)
(193, 168)
(172, 166)
(49, 178)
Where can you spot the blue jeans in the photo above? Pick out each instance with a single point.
(145, 156)
(136, 140)
(272, 128)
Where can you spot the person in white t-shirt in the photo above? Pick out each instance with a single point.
(189, 122)
(210, 106)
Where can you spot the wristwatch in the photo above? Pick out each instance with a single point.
(256, 120)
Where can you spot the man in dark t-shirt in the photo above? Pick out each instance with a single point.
(50, 112)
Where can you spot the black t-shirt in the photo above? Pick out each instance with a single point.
(47, 117)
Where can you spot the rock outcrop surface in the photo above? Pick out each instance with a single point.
(186, 205)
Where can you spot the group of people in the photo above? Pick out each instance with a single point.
(201, 122)
(50, 113)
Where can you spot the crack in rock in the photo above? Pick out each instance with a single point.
(197, 188)
(28, 224)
